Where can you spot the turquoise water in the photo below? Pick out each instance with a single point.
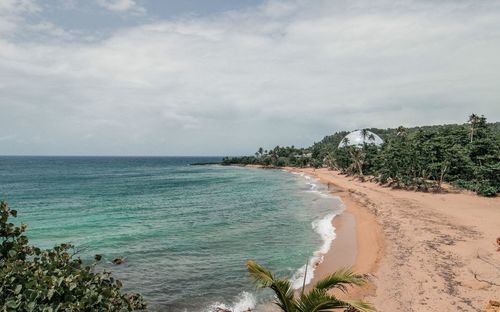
(185, 231)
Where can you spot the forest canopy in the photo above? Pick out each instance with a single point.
(420, 158)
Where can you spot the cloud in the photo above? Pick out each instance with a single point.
(286, 72)
(121, 5)
(12, 13)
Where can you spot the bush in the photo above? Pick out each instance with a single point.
(282, 162)
(32, 279)
(487, 190)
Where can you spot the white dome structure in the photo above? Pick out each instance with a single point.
(360, 137)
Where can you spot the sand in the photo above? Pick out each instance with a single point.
(426, 252)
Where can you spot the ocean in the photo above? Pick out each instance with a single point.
(184, 231)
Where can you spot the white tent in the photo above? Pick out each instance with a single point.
(358, 138)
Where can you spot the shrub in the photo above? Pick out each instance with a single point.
(487, 190)
(32, 279)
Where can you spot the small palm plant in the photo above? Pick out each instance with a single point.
(317, 299)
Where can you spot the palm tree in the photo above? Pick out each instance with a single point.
(473, 120)
(364, 134)
(400, 131)
(345, 141)
(329, 161)
(318, 298)
(358, 159)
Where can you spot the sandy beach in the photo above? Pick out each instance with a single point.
(426, 252)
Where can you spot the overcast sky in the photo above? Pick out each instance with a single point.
(223, 77)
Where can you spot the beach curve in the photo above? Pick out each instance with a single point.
(426, 252)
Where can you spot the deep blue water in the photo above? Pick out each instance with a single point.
(185, 231)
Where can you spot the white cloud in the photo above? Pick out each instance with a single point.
(121, 5)
(18, 6)
(12, 12)
(284, 73)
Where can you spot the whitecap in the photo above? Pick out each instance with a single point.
(326, 231)
(242, 303)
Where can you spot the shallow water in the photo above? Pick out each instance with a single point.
(185, 231)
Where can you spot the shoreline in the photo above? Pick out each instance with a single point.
(439, 249)
(359, 240)
(425, 251)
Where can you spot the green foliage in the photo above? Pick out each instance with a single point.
(487, 190)
(276, 157)
(318, 298)
(32, 279)
(341, 159)
(419, 158)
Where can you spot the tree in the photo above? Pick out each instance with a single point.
(329, 161)
(364, 134)
(475, 121)
(318, 298)
(32, 279)
(345, 141)
(419, 158)
(341, 158)
(357, 158)
(371, 160)
(400, 130)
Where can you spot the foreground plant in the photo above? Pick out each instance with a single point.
(318, 299)
(32, 279)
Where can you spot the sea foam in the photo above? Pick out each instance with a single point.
(243, 302)
(325, 230)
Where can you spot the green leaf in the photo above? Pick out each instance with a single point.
(340, 278)
(360, 305)
(12, 304)
(50, 293)
(18, 289)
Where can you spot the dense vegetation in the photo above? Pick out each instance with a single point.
(318, 298)
(32, 279)
(419, 158)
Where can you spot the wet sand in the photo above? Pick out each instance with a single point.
(427, 252)
(359, 239)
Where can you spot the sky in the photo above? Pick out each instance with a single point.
(224, 77)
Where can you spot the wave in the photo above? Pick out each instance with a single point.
(313, 188)
(325, 229)
(243, 302)
(322, 226)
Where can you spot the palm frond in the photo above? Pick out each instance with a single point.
(318, 300)
(341, 278)
(360, 305)
(260, 275)
(284, 293)
(282, 288)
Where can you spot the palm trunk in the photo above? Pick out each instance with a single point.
(441, 176)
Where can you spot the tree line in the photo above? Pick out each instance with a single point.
(420, 158)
